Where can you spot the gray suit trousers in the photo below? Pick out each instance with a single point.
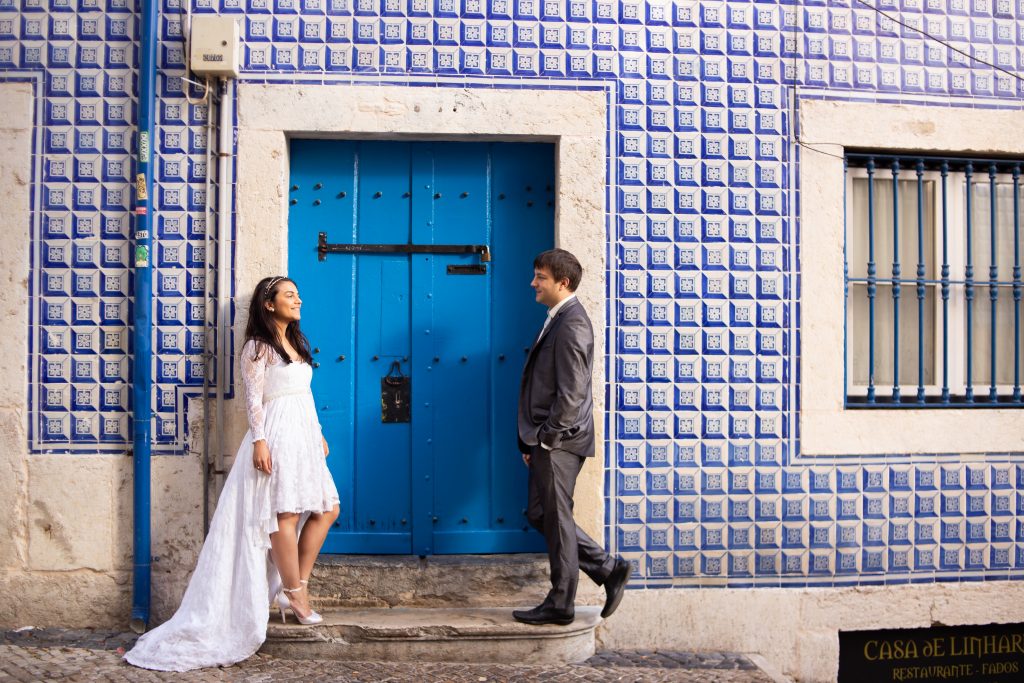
(552, 483)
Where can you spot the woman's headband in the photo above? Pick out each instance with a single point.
(270, 285)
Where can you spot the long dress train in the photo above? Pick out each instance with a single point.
(223, 614)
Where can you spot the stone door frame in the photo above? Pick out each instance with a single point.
(268, 115)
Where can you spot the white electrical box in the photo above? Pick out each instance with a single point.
(214, 45)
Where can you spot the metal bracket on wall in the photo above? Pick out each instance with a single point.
(323, 248)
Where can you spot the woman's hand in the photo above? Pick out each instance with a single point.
(327, 451)
(261, 457)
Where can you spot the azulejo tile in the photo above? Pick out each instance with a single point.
(703, 356)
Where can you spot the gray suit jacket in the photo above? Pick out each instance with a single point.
(556, 405)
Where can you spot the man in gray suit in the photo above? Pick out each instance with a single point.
(556, 436)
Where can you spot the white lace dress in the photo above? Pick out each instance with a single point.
(223, 614)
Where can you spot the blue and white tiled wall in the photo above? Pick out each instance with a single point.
(705, 483)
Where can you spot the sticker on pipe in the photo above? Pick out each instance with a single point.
(141, 256)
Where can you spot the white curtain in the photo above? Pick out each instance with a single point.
(981, 309)
(857, 260)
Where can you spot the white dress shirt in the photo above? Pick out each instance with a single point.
(553, 311)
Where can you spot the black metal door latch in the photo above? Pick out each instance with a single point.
(324, 248)
(395, 395)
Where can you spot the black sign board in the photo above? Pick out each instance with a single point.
(951, 654)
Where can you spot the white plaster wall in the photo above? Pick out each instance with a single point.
(66, 550)
(16, 102)
(574, 120)
(826, 428)
(797, 629)
(56, 555)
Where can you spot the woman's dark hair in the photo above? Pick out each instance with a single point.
(261, 322)
(562, 265)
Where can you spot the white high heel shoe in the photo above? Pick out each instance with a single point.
(283, 603)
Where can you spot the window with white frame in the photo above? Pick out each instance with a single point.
(933, 281)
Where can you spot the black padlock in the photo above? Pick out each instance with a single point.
(395, 395)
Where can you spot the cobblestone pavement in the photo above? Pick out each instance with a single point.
(89, 655)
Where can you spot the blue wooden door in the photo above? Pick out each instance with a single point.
(449, 480)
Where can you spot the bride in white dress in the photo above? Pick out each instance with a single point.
(279, 497)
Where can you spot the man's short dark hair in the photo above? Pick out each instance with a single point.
(562, 265)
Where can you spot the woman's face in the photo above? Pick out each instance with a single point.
(286, 304)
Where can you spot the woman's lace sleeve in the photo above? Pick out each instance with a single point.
(253, 373)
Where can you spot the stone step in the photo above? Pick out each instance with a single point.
(434, 581)
(477, 635)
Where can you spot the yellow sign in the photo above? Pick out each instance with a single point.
(140, 188)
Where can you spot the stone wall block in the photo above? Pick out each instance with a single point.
(71, 514)
(13, 490)
(16, 102)
(76, 599)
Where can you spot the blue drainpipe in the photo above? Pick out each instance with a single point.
(142, 379)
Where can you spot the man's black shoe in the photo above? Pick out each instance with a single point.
(543, 614)
(615, 586)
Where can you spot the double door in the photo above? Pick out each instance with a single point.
(413, 261)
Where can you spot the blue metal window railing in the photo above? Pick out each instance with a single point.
(933, 339)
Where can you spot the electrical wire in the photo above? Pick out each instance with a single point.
(791, 105)
(940, 41)
(812, 145)
(186, 32)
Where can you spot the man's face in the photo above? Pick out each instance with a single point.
(549, 291)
